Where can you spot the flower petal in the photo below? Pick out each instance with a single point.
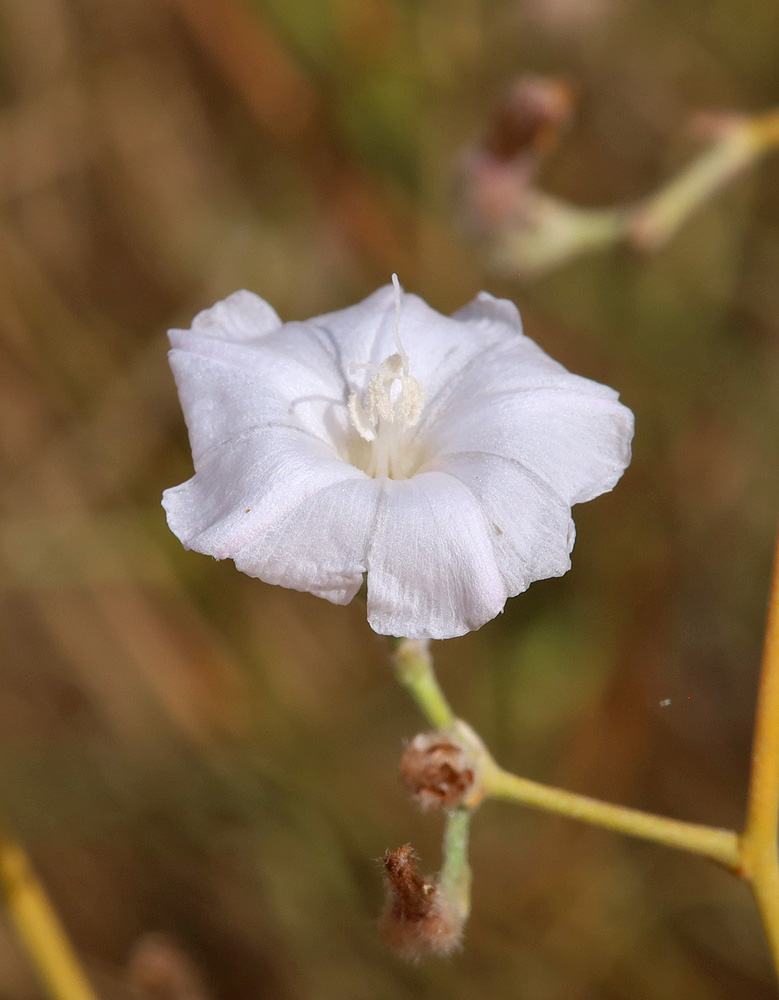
(530, 527)
(431, 569)
(513, 364)
(227, 389)
(241, 316)
(575, 435)
(489, 316)
(244, 487)
(438, 346)
(321, 545)
(359, 333)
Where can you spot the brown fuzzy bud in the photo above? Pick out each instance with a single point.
(418, 919)
(438, 772)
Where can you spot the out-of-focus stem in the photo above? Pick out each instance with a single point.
(38, 926)
(760, 865)
(656, 220)
(551, 231)
(764, 131)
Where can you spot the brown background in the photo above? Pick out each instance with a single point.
(191, 753)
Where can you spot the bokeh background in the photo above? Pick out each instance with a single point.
(203, 767)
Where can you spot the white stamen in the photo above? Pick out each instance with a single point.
(359, 418)
(408, 408)
(378, 418)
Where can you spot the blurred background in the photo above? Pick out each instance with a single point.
(203, 767)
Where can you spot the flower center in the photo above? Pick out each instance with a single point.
(391, 406)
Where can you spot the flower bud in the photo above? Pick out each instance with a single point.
(418, 919)
(438, 772)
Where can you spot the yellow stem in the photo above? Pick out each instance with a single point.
(38, 926)
(710, 842)
(760, 864)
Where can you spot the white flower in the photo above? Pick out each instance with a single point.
(440, 456)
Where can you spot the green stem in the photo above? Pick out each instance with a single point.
(415, 671)
(710, 842)
(455, 878)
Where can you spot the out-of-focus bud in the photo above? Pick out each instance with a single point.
(439, 772)
(160, 970)
(495, 183)
(418, 919)
(530, 118)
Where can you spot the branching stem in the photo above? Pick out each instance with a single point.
(551, 231)
(752, 856)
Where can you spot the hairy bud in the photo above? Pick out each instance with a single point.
(418, 919)
(438, 772)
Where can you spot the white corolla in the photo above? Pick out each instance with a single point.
(436, 456)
